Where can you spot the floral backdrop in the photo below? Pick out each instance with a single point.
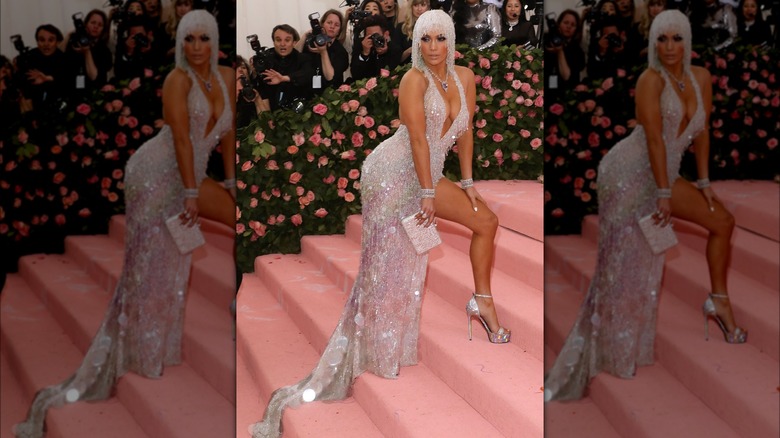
(584, 123)
(299, 174)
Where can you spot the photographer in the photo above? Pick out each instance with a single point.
(323, 47)
(248, 101)
(355, 16)
(42, 73)
(562, 51)
(87, 50)
(375, 50)
(286, 76)
(134, 52)
(607, 52)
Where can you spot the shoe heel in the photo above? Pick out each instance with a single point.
(469, 318)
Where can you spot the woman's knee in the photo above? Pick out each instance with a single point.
(487, 222)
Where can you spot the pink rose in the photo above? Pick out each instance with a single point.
(134, 84)
(349, 155)
(295, 177)
(359, 120)
(353, 105)
(83, 109)
(383, 130)
(487, 81)
(539, 101)
(247, 165)
(329, 179)
(253, 202)
(320, 109)
(511, 121)
(357, 139)
(240, 228)
(535, 143)
(342, 184)
(362, 111)
(480, 123)
(345, 107)
(321, 212)
(292, 149)
(253, 189)
(556, 109)
(771, 143)
(272, 165)
(384, 72)
(481, 133)
(296, 219)
(498, 138)
(515, 156)
(120, 139)
(354, 174)
(259, 136)
(349, 197)
(258, 227)
(368, 122)
(371, 84)
(322, 161)
(299, 139)
(484, 63)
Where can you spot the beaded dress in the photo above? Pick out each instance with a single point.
(481, 25)
(615, 326)
(378, 328)
(142, 328)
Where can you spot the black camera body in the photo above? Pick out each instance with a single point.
(261, 60)
(614, 41)
(354, 3)
(247, 88)
(355, 17)
(553, 39)
(378, 40)
(16, 40)
(317, 38)
(80, 37)
(141, 40)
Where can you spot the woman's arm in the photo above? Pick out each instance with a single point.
(89, 64)
(648, 112)
(563, 65)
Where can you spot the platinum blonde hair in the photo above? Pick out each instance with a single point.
(669, 21)
(433, 23)
(197, 20)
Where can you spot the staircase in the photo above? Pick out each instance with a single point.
(696, 387)
(54, 305)
(290, 305)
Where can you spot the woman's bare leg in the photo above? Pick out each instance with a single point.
(689, 204)
(452, 204)
(215, 203)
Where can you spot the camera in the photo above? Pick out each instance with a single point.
(115, 3)
(247, 89)
(80, 37)
(261, 60)
(317, 37)
(350, 3)
(355, 17)
(141, 40)
(378, 40)
(553, 39)
(16, 40)
(614, 41)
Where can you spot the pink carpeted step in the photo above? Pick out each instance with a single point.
(732, 380)
(518, 204)
(520, 307)
(754, 204)
(78, 305)
(316, 304)
(40, 354)
(516, 254)
(273, 353)
(753, 255)
(13, 400)
(755, 306)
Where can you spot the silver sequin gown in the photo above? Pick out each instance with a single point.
(378, 329)
(615, 327)
(142, 328)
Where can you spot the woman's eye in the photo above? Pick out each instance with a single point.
(662, 39)
(425, 39)
(441, 38)
(205, 38)
(189, 38)
(678, 38)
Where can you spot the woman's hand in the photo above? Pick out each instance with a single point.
(474, 196)
(427, 212)
(711, 197)
(190, 215)
(663, 212)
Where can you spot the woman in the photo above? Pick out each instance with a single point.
(179, 8)
(91, 62)
(515, 27)
(415, 8)
(615, 328)
(166, 177)
(43, 76)
(651, 10)
(331, 60)
(563, 53)
(370, 6)
(378, 328)
(752, 28)
(477, 24)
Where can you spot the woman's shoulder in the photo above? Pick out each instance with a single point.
(650, 79)
(464, 73)
(178, 78)
(701, 74)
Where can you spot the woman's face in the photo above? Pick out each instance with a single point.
(183, 8)
(513, 9)
(47, 42)
(372, 7)
(283, 42)
(654, 9)
(567, 26)
(608, 8)
(420, 9)
(197, 48)
(152, 7)
(241, 70)
(749, 10)
(472, 2)
(388, 6)
(135, 8)
(670, 47)
(95, 26)
(332, 26)
(433, 46)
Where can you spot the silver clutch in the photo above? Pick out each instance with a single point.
(423, 238)
(659, 238)
(187, 238)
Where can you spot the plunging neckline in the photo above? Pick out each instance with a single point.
(211, 108)
(681, 102)
(459, 86)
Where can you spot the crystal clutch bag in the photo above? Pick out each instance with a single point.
(423, 238)
(659, 238)
(187, 238)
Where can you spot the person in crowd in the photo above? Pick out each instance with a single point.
(714, 24)
(515, 27)
(9, 94)
(443, 5)
(178, 9)
(752, 29)
(415, 8)
(639, 178)
(626, 14)
(248, 101)
(477, 24)
(165, 180)
(135, 50)
(651, 10)
(375, 50)
(328, 61)
(90, 62)
(42, 73)
(563, 54)
(287, 80)
(372, 7)
(608, 51)
(378, 328)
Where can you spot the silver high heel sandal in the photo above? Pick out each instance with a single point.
(738, 336)
(502, 336)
